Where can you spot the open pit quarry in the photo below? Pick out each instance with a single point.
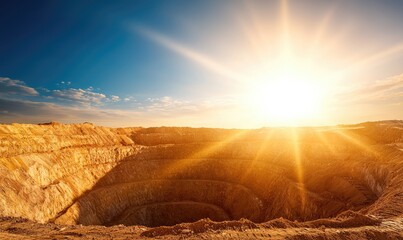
(67, 181)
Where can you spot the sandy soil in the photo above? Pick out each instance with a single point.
(17, 228)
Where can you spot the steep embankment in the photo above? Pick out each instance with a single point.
(83, 174)
(45, 168)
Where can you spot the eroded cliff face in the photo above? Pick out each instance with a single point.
(45, 168)
(85, 174)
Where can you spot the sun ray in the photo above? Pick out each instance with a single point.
(319, 134)
(190, 54)
(257, 158)
(284, 73)
(254, 29)
(379, 55)
(364, 62)
(179, 165)
(298, 165)
(285, 26)
(355, 141)
(316, 45)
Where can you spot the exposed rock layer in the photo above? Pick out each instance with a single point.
(84, 174)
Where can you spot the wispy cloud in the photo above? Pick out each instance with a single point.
(81, 105)
(35, 112)
(114, 98)
(164, 103)
(150, 114)
(16, 87)
(389, 89)
(63, 83)
(128, 99)
(383, 88)
(83, 96)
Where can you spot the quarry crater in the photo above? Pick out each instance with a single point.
(170, 192)
(90, 175)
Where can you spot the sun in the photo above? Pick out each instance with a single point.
(287, 99)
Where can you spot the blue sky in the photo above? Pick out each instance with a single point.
(199, 63)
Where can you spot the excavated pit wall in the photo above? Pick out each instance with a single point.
(83, 174)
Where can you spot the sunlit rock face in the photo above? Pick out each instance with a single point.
(84, 174)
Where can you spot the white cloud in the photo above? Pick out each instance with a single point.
(88, 105)
(65, 83)
(166, 104)
(79, 95)
(16, 87)
(36, 112)
(384, 87)
(44, 90)
(23, 111)
(128, 99)
(114, 98)
(386, 90)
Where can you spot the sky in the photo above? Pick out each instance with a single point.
(201, 63)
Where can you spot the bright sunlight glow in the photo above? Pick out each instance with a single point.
(289, 90)
(282, 73)
(287, 98)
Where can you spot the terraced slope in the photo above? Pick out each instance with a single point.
(84, 174)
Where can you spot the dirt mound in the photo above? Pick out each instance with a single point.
(200, 226)
(348, 219)
(50, 123)
(17, 228)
